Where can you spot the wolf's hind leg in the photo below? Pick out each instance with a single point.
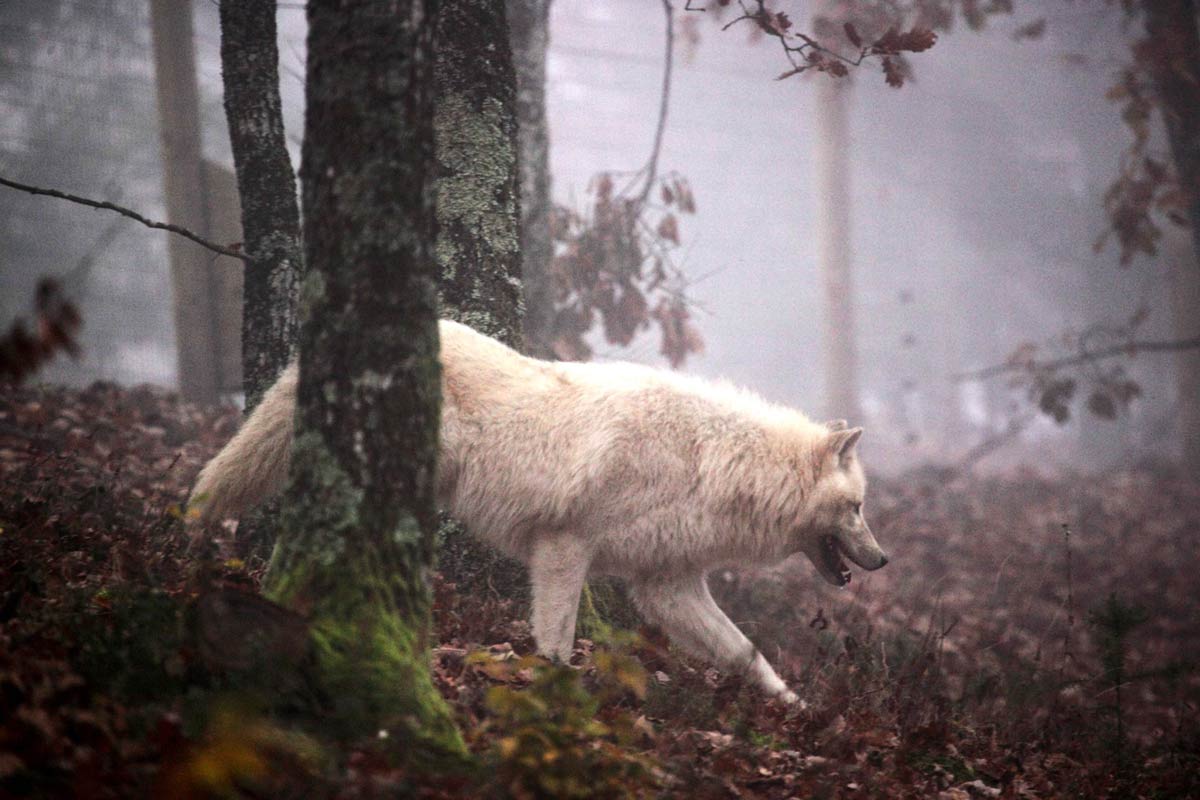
(557, 570)
(686, 611)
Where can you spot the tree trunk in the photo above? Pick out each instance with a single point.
(1185, 300)
(475, 127)
(529, 33)
(1172, 30)
(267, 185)
(183, 184)
(357, 539)
(832, 181)
(478, 250)
(1171, 27)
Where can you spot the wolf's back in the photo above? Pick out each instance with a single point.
(254, 464)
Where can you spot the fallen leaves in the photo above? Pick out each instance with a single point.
(952, 673)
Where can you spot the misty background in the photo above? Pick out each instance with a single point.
(976, 189)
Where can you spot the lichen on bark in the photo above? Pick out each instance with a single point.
(371, 665)
(475, 130)
(478, 243)
(267, 187)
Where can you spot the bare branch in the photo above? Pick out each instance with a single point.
(149, 223)
(1130, 348)
(668, 59)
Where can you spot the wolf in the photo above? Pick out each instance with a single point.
(586, 469)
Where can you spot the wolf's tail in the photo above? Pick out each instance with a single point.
(254, 464)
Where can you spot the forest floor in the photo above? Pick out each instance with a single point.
(1000, 654)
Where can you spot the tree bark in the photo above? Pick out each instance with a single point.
(356, 544)
(478, 245)
(183, 184)
(475, 127)
(529, 34)
(267, 185)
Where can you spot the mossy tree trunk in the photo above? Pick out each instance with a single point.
(478, 245)
(357, 535)
(267, 185)
(529, 34)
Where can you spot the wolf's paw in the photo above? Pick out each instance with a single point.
(792, 699)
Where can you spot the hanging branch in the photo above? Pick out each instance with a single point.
(1052, 383)
(614, 261)
(149, 223)
(1084, 357)
(668, 60)
(811, 54)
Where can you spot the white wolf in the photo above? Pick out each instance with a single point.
(616, 469)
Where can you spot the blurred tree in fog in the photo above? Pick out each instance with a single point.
(76, 112)
(1162, 79)
(529, 35)
(186, 193)
(831, 165)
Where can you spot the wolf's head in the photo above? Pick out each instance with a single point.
(835, 525)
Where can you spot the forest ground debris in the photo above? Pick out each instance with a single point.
(950, 674)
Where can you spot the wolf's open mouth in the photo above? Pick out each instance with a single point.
(832, 555)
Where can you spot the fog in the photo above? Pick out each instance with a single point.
(977, 194)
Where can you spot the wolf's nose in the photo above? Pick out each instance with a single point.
(883, 561)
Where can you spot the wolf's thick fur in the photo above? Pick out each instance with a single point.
(617, 469)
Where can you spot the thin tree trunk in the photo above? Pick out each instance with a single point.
(529, 33)
(356, 546)
(267, 185)
(832, 181)
(183, 183)
(1185, 300)
(478, 246)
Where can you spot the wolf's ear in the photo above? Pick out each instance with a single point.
(836, 424)
(842, 443)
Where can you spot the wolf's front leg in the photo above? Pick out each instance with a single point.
(686, 611)
(557, 570)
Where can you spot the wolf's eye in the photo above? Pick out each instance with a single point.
(857, 508)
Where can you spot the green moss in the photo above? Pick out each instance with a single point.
(371, 660)
(312, 291)
(604, 608)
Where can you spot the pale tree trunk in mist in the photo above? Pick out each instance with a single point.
(1185, 303)
(183, 184)
(832, 181)
(529, 33)
(478, 242)
(357, 543)
(267, 185)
